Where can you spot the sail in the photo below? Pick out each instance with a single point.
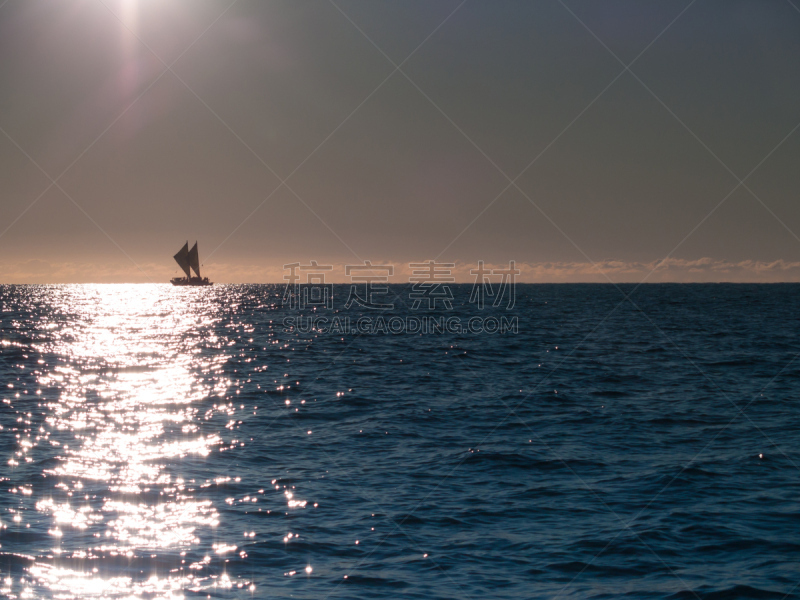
(194, 260)
(182, 258)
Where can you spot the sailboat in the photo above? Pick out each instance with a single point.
(189, 261)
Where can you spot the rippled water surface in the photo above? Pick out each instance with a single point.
(161, 442)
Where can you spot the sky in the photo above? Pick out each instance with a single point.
(584, 140)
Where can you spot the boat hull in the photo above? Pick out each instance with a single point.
(191, 281)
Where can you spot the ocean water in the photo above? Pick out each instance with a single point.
(162, 442)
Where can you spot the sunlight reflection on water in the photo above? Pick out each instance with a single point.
(124, 419)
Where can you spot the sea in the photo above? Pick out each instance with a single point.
(251, 441)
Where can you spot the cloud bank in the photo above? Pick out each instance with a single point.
(675, 270)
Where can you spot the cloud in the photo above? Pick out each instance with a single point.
(676, 270)
(38, 271)
(703, 269)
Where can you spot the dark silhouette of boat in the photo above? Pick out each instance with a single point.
(189, 261)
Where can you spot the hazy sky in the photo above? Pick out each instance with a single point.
(511, 130)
